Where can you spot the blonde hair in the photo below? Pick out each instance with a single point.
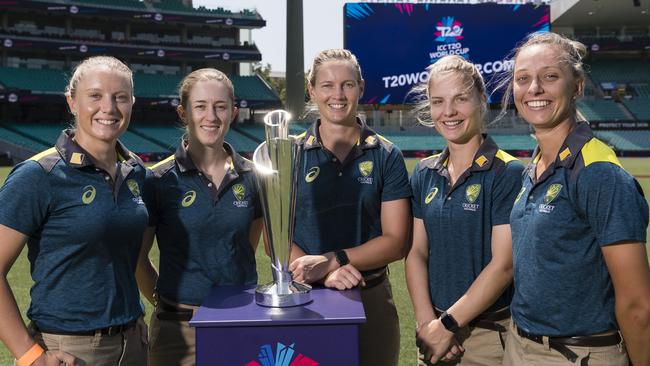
(186, 85)
(334, 54)
(573, 52)
(92, 63)
(448, 65)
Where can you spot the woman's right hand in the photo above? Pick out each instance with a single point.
(55, 358)
(344, 278)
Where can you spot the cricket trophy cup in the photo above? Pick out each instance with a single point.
(277, 163)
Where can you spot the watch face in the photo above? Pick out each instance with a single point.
(342, 257)
(449, 322)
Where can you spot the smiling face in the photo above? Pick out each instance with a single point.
(544, 88)
(455, 108)
(208, 113)
(102, 105)
(336, 92)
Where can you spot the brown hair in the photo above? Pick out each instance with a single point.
(452, 64)
(572, 54)
(186, 85)
(93, 62)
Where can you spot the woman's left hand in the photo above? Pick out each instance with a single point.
(312, 268)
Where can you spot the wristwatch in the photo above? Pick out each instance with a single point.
(449, 322)
(341, 257)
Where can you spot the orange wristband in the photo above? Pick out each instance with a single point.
(30, 356)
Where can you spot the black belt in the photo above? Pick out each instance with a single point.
(171, 312)
(375, 281)
(109, 331)
(560, 343)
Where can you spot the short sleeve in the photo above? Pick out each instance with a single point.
(396, 182)
(507, 185)
(416, 188)
(612, 201)
(26, 198)
(150, 196)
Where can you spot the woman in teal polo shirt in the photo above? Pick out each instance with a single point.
(78, 208)
(578, 225)
(352, 205)
(205, 214)
(459, 267)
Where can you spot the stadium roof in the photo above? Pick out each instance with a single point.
(600, 13)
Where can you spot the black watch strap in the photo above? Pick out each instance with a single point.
(341, 257)
(449, 322)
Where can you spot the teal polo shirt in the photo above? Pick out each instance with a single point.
(202, 230)
(84, 235)
(458, 219)
(338, 203)
(584, 201)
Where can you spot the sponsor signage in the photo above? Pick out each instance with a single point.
(396, 42)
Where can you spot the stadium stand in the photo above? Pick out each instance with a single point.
(622, 71)
(38, 81)
(250, 88)
(640, 107)
(12, 137)
(635, 140)
(600, 109)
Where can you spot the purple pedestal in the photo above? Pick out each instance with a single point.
(232, 330)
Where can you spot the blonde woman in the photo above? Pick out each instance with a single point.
(459, 267)
(78, 208)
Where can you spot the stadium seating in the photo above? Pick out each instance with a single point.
(640, 107)
(170, 136)
(44, 132)
(146, 85)
(602, 110)
(634, 140)
(39, 81)
(622, 71)
(131, 4)
(20, 140)
(642, 90)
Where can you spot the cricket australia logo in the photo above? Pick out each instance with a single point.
(551, 194)
(471, 194)
(239, 191)
(365, 168)
(431, 195)
(135, 190)
(188, 198)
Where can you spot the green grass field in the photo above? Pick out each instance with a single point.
(20, 280)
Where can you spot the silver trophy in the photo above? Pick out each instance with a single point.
(277, 162)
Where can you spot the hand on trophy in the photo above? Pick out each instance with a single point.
(344, 278)
(312, 268)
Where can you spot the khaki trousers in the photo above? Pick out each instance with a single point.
(521, 351)
(483, 347)
(128, 348)
(172, 342)
(379, 336)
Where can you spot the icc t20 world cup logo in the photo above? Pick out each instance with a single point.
(449, 30)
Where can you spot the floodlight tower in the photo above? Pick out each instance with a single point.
(295, 76)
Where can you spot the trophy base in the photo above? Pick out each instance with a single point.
(269, 296)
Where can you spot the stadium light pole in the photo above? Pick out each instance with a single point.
(295, 76)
